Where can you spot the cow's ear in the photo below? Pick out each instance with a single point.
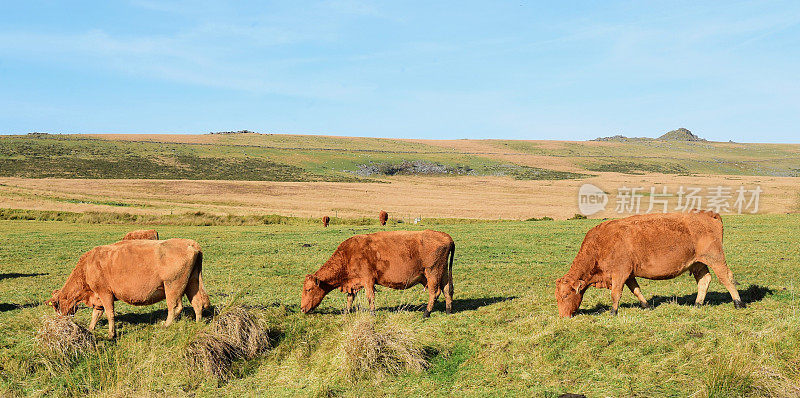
(579, 285)
(313, 278)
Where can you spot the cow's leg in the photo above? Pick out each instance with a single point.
(435, 278)
(108, 306)
(369, 287)
(174, 296)
(631, 282)
(433, 294)
(112, 327)
(725, 276)
(448, 294)
(434, 289)
(96, 312)
(195, 295)
(350, 297)
(197, 306)
(703, 278)
(617, 284)
(174, 308)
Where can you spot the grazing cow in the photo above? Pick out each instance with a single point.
(395, 259)
(141, 234)
(383, 217)
(325, 221)
(652, 246)
(138, 272)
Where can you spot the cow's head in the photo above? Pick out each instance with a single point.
(313, 292)
(61, 304)
(569, 293)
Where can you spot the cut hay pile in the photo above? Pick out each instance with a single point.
(211, 354)
(243, 331)
(236, 334)
(64, 339)
(389, 349)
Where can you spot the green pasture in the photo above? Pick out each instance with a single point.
(504, 339)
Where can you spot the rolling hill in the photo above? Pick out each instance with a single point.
(276, 157)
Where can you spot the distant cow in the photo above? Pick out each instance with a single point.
(325, 221)
(141, 234)
(652, 246)
(138, 272)
(395, 259)
(383, 217)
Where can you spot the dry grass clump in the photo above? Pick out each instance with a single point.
(63, 338)
(243, 331)
(212, 354)
(389, 349)
(236, 334)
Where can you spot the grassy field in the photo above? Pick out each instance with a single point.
(504, 339)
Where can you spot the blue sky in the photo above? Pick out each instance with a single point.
(427, 69)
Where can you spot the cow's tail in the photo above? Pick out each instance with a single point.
(197, 268)
(450, 269)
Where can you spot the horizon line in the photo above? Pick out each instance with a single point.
(241, 132)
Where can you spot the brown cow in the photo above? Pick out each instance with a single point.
(383, 217)
(141, 234)
(325, 221)
(652, 246)
(395, 259)
(138, 272)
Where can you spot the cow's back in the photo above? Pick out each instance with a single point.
(134, 267)
(657, 245)
(397, 244)
(141, 234)
(398, 256)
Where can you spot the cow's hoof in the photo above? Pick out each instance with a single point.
(613, 312)
(449, 312)
(426, 314)
(646, 306)
(739, 304)
(698, 304)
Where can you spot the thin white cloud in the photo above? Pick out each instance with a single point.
(244, 50)
(184, 58)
